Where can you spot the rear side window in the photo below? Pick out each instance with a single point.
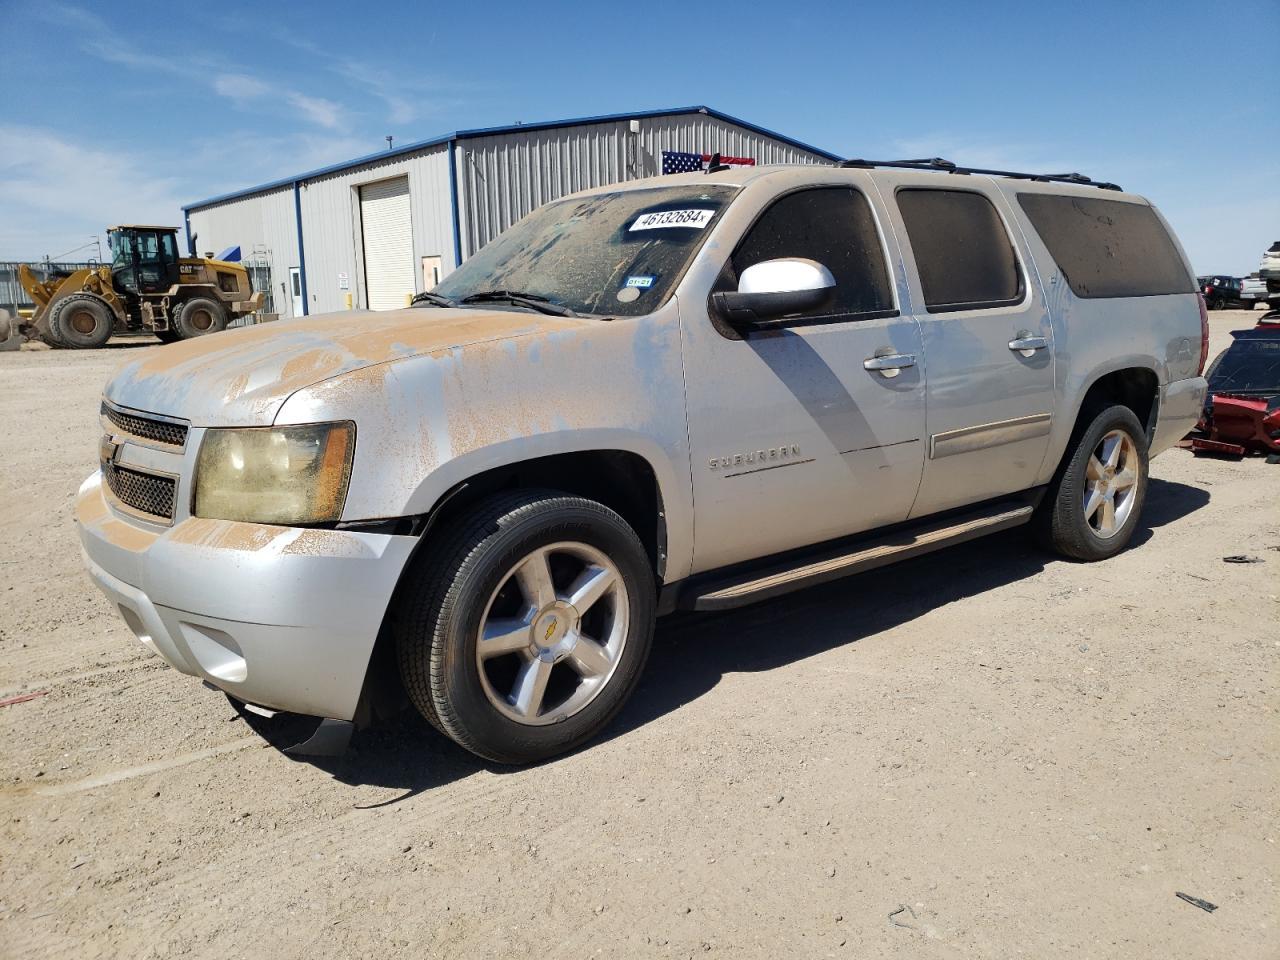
(834, 226)
(1107, 248)
(965, 259)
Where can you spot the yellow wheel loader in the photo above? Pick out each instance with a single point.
(147, 287)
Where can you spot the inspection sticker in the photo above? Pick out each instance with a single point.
(644, 282)
(697, 219)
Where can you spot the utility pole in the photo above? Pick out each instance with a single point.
(388, 139)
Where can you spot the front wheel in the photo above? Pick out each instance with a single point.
(81, 321)
(1093, 504)
(199, 316)
(525, 628)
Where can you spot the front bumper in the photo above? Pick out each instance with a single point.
(1181, 404)
(283, 617)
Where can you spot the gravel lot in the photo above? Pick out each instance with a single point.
(983, 753)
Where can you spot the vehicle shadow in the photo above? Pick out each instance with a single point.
(692, 652)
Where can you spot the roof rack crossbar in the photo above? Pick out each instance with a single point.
(938, 163)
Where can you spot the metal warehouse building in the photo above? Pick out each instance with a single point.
(373, 231)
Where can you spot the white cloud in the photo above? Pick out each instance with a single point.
(55, 193)
(97, 37)
(318, 110)
(239, 86)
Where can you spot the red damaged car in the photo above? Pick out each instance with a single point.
(1242, 413)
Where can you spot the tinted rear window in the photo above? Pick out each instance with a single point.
(965, 259)
(1108, 248)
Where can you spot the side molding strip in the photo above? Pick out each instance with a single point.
(968, 439)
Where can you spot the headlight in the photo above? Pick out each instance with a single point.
(284, 475)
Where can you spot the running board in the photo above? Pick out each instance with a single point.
(856, 558)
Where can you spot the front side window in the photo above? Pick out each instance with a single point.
(1107, 248)
(617, 254)
(962, 251)
(835, 227)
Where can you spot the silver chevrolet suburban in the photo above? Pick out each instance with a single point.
(685, 393)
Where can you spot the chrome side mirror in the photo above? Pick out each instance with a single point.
(774, 289)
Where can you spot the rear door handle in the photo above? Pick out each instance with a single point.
(1027, 345)
(891, 365)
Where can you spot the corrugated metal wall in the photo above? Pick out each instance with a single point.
(331, 223)
(501, 178)
(504, 177)
(260, 224)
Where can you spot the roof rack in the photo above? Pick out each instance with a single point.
(937, 163)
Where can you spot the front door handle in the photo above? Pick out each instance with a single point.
(890, 365)
(1027, 345)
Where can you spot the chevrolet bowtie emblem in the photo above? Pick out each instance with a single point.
(551, 628)
(108, 447)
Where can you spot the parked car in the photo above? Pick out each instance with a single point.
(1253, 290)
(1269, 272)
(1221, 292)
(686, 393)
(1242, 412)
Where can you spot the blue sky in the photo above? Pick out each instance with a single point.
(116, 112)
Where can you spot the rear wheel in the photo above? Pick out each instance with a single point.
(166, 336)
(199, 316)
(522, 632)
(81, 321)
(1093, 504)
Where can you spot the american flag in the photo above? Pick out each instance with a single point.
(674, 161)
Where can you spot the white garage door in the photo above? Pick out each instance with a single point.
(388, 243)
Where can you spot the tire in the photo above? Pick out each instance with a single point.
(82, 322)
(1065, 523)
(197, 317)
(522, 700)
(167, 336)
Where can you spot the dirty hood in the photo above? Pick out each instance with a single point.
(242, 377)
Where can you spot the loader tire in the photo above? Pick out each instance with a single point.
(199, 316)
(81, 322)
(167, 336)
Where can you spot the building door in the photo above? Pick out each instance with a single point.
(295, 292)
(431, 267)
(388, 243)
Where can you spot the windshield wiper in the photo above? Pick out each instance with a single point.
(532, 301)
(434, 299)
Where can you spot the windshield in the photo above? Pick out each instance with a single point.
(121, 253)
(1249, 365)
(619, 254)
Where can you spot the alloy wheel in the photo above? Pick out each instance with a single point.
(552, 633)
(1111, 483)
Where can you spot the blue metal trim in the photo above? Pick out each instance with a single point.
(765, 131)
(510, 128)
(302, 253)
(453, 204)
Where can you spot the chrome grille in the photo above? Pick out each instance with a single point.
(145, 492)
(146, 428)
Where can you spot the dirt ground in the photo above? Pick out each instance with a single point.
(985, 753)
